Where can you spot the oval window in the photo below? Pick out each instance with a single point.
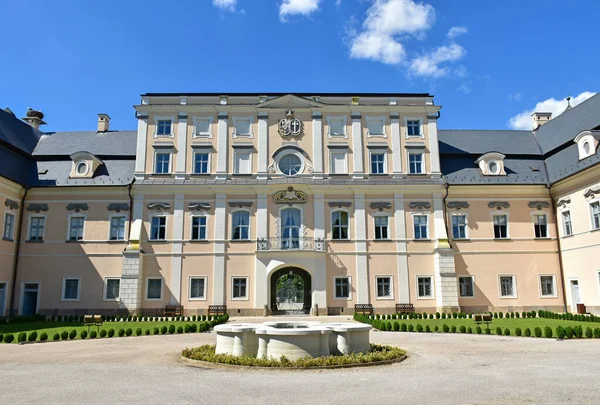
(290, 164)
(81, 168)
(493, 167)
(586, 148)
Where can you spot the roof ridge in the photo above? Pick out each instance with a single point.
(565, 114)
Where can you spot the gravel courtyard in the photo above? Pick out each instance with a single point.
(441, 368)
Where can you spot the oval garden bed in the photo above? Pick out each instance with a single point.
(204, 356)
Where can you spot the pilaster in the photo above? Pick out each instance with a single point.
(362, 265)
(434, 150)
(141, 146)
(222, 147)
(319, 215)
(177, 246)
(181, 146)
(219, 258)
(317, 155)
(446, 287)
(131, 286)
(263, 146)
(401, 251)
(396, 145)
(357, 146)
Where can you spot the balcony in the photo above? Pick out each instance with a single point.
(306, 244)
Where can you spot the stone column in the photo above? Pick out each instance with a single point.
(317, 155)
(396, 145)
(446, 287)
(263, 146)
(182, 149)
(222, 147)
(357, 146)
(219, 257)
(140, 151)
(402, 258)
(177, 250)
(132, 282)
(434, 151)
(362, 264)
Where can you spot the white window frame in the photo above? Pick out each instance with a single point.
(164, 215)
(534, 216)
(425, 297)
(164, 118)
(331, 164)
(208, 134)
(249, 224)
(125, 231)
(240, 119)
(247, 297)
(421, 127)
(459, 214)
(509, 297)
(555, 295)
(198, 215)
(235, 161)
(381, 119)
(344, 119)
(500, 213)
(391, 296)
(458, 277)
(63, 289)
(331, 223)
(284, 153)
(416, 151)
(162, 287)
(31, 216)
(381, 214)
(70, 217)
(335, 296)
(11, 235)
(564, 223)
(591, 203)
(162, 152)
(104, 297)
(385, 163)
(420, 214)
(208, 163)
(190, 288)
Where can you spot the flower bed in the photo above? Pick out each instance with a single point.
(379, 355)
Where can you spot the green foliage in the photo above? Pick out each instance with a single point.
(64, 335)
(33, 336)
(156, 331)
(403, 327)
(171, 329)
(56, 337)
(437, 315)
(73, 334)
(103, 333)
(186, 328)
(8, 338)
(396, 327)
(411, 328)
(495, 315)
(180, 329)
(163, 330)
(518, 331)
(443, 315)
(436, 329)
(537, 331)
(203, 327)
(427, 329)
(111, 332)
(560, 332)
(193, 328)
(83, 334)
(453, 329)
(589, 333)
(419, 328)
(478, 330)
(463, 329)
(93, 334)
(121, 332)
(21, 337)
(597, 332)
(578, 331)
(517, 315)
(500, 315)
(138, 332)
(506, 332)
(445, 328)
(488, 331)
(527, 332)
(129, 332)
(499, 331)
(569, 333)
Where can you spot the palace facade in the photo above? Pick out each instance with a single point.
(299, 202)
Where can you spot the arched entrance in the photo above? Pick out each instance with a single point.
(291, 291)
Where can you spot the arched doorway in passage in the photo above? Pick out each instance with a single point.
(291, 291)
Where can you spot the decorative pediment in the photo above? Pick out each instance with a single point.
(592, 192)
(118, 207)
(240, 204)
(498, 204)
(289, 101)
(419, 205)
(13, 205)
(563, 202)
(290, 196)
(381, 206)
(198, 206)
(538, 204)
(340, 204)
(159, 206)
(458, 205)
(77, 207)
(37, 208)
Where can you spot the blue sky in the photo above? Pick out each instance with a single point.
(486, 62)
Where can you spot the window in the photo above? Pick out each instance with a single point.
(112, 287)
(413, 127)
(420, 225)
(424, 287)
(290, 164)
(36, 228)
(381, 227)
(154, 289)
(415, 163)
(199, 228)
(338, 163)
(117, 228)
(465, 286)
(342, 287)
(162, 163)
(378, 163)
(540, 226)
(243, 163)
(202, 127)
(375, 126)
(9, 225)
(547, 286)
(70, 291)
(339, 225)
(493, 167)
(384, 287)
(507, 287)
(197, 288)
(459, 226)
(242, 127)
(201, 162)
(500, 227)
(337, 126)
(240, 225)
(163, 128)
(158, 228)
(81, 168)
(567, 226)
(76, 228)
(595, 208)
(586, 148)
(239, 286)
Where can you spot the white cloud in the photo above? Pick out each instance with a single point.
(302, 7)
(386, 21)
(465, 88)
(556, 107)
(227, 5)
(456, 31)
(428, 64)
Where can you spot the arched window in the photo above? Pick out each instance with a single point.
(240, 225)
(339, 225)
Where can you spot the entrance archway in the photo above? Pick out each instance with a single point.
(291, 291)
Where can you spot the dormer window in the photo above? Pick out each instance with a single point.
(84, 165)
(587, 142)
(81, 168)
(491, 164)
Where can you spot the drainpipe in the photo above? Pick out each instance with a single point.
(130, 208)
(16, 261)
(560, 259)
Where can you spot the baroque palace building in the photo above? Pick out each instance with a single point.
(299, 202)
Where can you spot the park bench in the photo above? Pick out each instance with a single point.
(363, 309)
(405, 308)
(217, 309)
(482, 318)
(174, 310)
(92, 320)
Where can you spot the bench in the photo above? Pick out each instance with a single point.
(482, 318)
(363, 309)
(174, 310)
(405, 308)
(217, 309)
(92, 320)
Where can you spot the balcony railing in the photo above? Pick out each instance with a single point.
(267, 244)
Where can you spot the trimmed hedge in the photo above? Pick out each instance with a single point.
(56, 337)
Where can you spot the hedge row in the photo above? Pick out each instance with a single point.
(108, 318)
(497, 315)
(560, 332)
(568, 316)
(70, 335)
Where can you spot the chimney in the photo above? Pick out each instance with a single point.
(540, 118)
(103, 122)
(34, 118)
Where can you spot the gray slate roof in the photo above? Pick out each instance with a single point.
(463, 170)
(111, 173)
(17, 133)
(478, 142)
(121, 143)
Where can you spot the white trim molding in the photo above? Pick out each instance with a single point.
(195, 133)
(247, 297)
(62, 291)
(237, 119)
(344, 119)
(171, 118)
(379, 118)
(204, 298)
